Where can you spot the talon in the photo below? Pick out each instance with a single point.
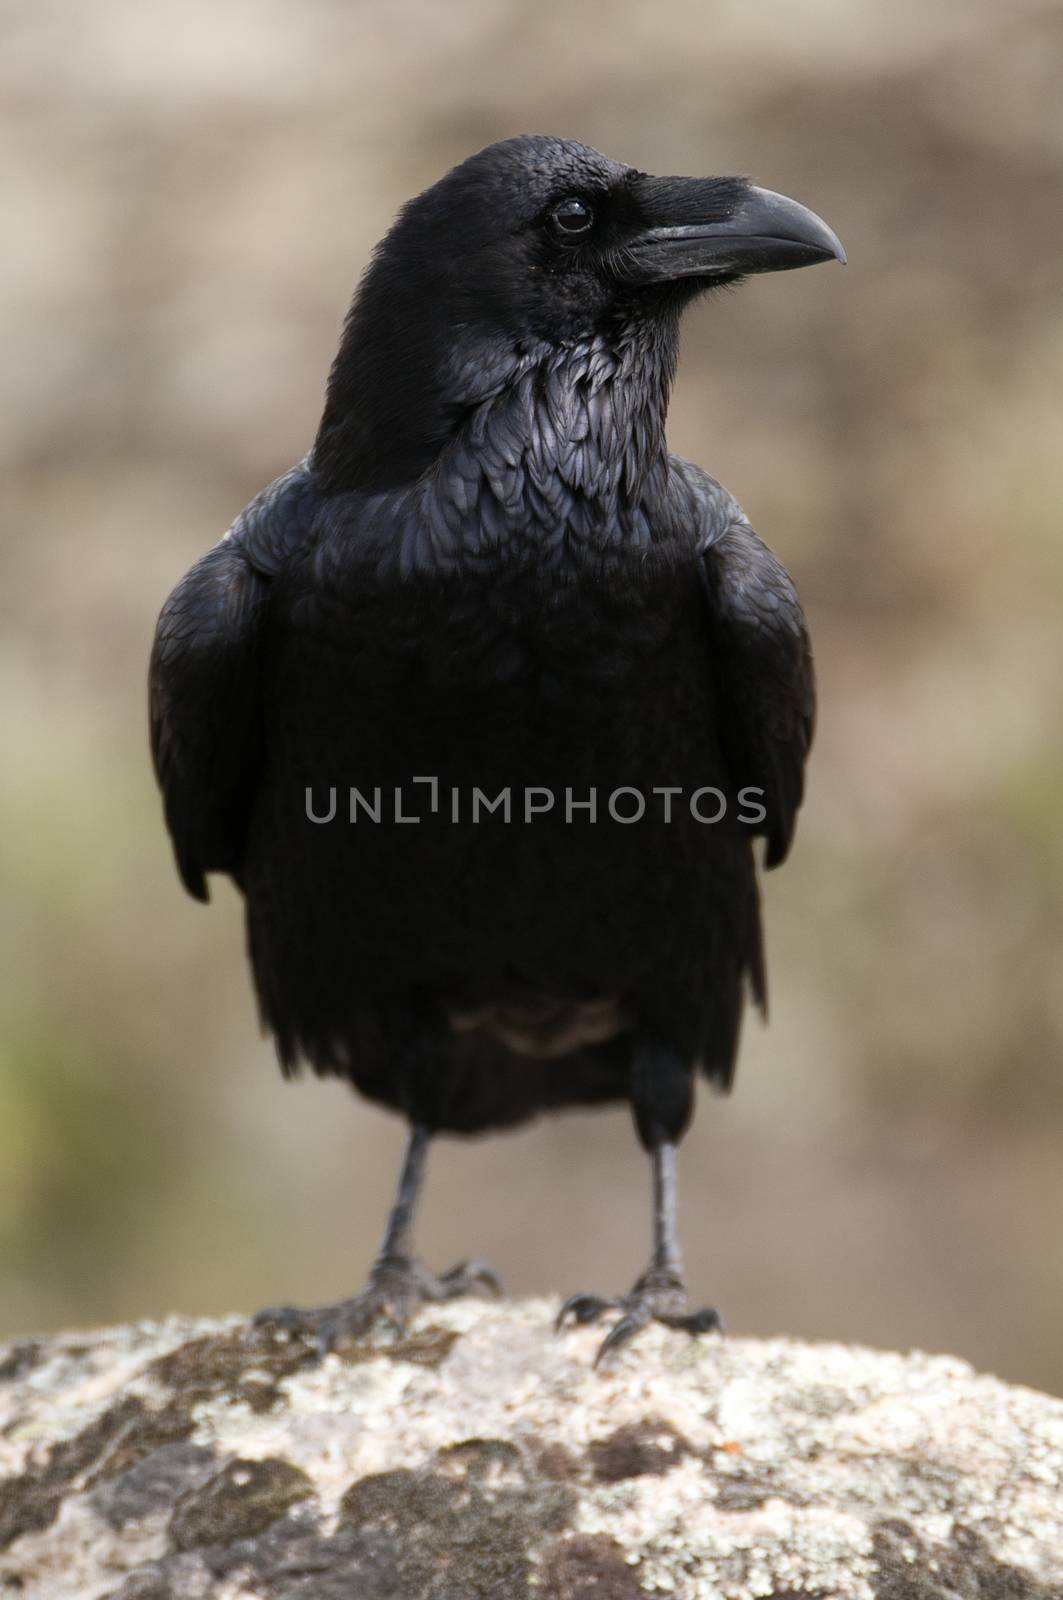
(392, 1315)
(619, 1335)
(658, 1296)
(567, 1306)
(397, 1288)
(707, 1320)
(469, 1274)
(288, 1320)
(583, 1308)
(349, 1322)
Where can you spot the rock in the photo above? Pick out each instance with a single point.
(481, 1458)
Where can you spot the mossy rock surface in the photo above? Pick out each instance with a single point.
(481, 1458)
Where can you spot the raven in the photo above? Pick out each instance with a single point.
(483, 704)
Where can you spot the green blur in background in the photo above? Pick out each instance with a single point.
(191, 194)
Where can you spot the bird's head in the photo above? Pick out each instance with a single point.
(534, 244)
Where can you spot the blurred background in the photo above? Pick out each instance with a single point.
(190, 196)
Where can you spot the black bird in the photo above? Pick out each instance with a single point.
(490, 600)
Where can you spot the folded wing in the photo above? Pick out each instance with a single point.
(204, 681)
(762, 665)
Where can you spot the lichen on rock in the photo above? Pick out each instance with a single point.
(479, 1457)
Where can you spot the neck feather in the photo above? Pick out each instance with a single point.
(572, 445)
(544, 446)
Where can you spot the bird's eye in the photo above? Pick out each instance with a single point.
(572, 217)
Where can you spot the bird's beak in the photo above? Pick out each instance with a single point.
(763, 232)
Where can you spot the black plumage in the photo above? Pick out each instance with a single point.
(490, 573)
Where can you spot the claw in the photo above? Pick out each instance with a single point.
(656, 1297)
(397, 1288)
(396, 1315)
(352, 1319)
(282, 1319)
(707, 1320)
(631, 1323)
(467, 1274)
(583, 1308)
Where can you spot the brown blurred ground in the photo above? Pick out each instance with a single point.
(190, 194)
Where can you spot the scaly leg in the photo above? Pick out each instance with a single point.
(662, 1102)
(659, 1295)
(398, 1285)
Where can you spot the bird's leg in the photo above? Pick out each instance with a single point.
(659, 1294)
(398, 1285)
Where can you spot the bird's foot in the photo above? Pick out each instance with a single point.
(659, 1296)
(397, 1288)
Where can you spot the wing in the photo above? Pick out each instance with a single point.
(762, 663)
(204, 693)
